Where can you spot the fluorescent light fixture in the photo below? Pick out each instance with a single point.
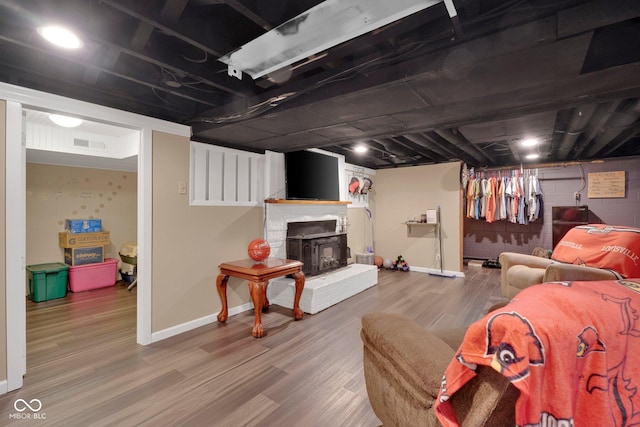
(532, 156)
(65, 121)
(316, 30)
(451, 8)
(530, 142)
(60, 36)
(361, 149)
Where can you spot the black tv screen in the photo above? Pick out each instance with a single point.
(311, 176)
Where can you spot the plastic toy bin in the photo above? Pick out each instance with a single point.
(47, 281)
(93, 276)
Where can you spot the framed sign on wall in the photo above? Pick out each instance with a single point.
(606, 185)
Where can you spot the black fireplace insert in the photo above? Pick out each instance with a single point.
(317, 245)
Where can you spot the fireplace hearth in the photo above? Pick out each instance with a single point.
(317, 245)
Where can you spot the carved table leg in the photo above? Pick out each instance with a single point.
(299, 279)
(265, 306)
(257, 291)
(221, 285)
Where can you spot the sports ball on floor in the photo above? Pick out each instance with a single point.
(377, 260)
(259, 249)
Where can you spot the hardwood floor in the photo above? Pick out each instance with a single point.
(84, 366)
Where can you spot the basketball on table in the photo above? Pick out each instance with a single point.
(259, 249)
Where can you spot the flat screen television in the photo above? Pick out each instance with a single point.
(311, 176)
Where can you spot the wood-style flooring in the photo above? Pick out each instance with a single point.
(84, 365)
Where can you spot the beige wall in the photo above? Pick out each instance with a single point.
(55, 193)
(405, 193)
(190, 242)
(3, 284)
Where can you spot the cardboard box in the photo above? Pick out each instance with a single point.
(93, 276)
(81, 256)
(47, 281)
(83, 240)
(83, 225)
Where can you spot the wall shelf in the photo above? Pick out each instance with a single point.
(409, 224)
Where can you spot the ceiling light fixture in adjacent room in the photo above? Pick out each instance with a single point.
(65, 121)
(60, 36)
(532, 156)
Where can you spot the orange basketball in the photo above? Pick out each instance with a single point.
(258, 249)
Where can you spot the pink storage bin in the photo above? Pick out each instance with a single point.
(93, 276)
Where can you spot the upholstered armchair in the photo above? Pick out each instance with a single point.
(525, 363)
(403, 368)
(587, 252)
(519, 271)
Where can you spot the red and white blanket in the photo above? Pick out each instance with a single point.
(571, 348)
(610, 247)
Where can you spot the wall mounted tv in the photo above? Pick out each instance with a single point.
(311, 176)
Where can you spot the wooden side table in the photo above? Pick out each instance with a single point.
(258, 274)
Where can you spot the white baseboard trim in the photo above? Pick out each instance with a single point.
(437, 270)
(212, 318)
(4, 387)
(196, 323)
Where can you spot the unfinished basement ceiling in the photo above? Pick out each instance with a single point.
(424, 89)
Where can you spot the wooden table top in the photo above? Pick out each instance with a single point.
(269, 267)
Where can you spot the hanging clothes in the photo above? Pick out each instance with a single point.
(514, 197)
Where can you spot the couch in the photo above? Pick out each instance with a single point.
(526, 363)
(586, 252)
(403, 368)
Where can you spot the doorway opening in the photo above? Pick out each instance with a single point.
(84, 172)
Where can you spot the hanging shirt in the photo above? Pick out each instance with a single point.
(483, 199)
(505, 198)
(471, 204)
(515, 200)
(522, 213)
(478, 195)
(491, 200)
(532, 199)
(538, 198)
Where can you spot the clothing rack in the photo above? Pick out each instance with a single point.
(512, 194)
(535, 165)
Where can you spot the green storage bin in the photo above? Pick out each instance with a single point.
(47, 281)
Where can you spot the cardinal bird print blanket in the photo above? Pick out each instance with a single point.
(572, 349)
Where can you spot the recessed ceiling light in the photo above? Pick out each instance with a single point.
(530, 142)
(65, 121)
(60, 37)
(532, 156)
(361, 149)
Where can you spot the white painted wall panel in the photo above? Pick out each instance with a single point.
(243, 178)
(215, 176)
